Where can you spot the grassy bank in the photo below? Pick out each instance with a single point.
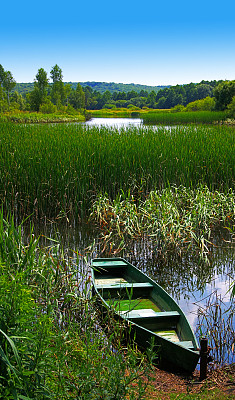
(51, 346)
(24, 117)
(175, 118)
(57, 170)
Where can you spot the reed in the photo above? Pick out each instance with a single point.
(217, 323)
(175, 218)
(195, 117)
(51, 345)
(52, 169)
(24, 117)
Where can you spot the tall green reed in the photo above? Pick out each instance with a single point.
(54, 170)
(175, 218)
(51, 344)
(195, 117)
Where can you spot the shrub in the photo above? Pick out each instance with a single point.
(231, 108)
(47, 108)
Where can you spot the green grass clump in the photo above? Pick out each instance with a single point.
(194, 117)
(51, 345)
(39, 118)
(54, 170)
(175, 218)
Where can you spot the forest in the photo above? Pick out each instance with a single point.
(51, 94)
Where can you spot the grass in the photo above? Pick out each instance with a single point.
(51, 345)
(195, 117)
(58, 170)
(175, 218)
(24, 117)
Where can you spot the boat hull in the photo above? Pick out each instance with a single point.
(150, 314)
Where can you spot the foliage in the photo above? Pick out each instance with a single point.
(224, 93)
(38, 96)
(231, 108)
(77, 98)
(47, 107)
(99, 94)
(57, 91)
(51, 345)
(206, 104)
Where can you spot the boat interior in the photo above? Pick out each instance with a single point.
(133, 297)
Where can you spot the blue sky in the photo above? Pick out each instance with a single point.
(148, 42)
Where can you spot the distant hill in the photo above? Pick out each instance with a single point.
(101, 87)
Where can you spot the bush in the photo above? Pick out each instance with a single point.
(207, 104)
(109, 106)
(231, 108)
(178, 108)
(47, 108)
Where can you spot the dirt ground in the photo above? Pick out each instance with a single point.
(165, 383)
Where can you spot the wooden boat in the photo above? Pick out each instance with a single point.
(148, 309)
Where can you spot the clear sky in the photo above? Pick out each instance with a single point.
(147, 42)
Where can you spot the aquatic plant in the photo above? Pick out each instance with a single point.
(184, 117)
(175, 218)
(50, 170)
(51, 345)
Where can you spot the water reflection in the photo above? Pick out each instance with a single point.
(115, 122)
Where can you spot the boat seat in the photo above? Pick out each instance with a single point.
(125, 285)
(186, 343)
(149, 313)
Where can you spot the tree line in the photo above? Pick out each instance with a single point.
(57, 96)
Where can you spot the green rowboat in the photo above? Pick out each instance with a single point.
(148, 309)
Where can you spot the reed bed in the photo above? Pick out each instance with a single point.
(39, 118)
(51, 345)
(176, 218)
(195, 117)
(54, 170)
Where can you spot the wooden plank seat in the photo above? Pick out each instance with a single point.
(187, 343)
(149, 313)
(124, 285)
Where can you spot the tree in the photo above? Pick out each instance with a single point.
(224, 93)
(42, 81)
(56, 74)
(39, 94)
(231, 110)
(58, 92)
(78, 98)
(67, 91)
(2, 72)
(8, 84)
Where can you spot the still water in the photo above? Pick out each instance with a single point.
(114, 122)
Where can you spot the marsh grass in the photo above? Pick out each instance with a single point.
(176, 218)
(51, 345)
(195, 117)
(24, 117)
(50, 170)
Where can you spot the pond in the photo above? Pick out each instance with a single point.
(114, 122)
